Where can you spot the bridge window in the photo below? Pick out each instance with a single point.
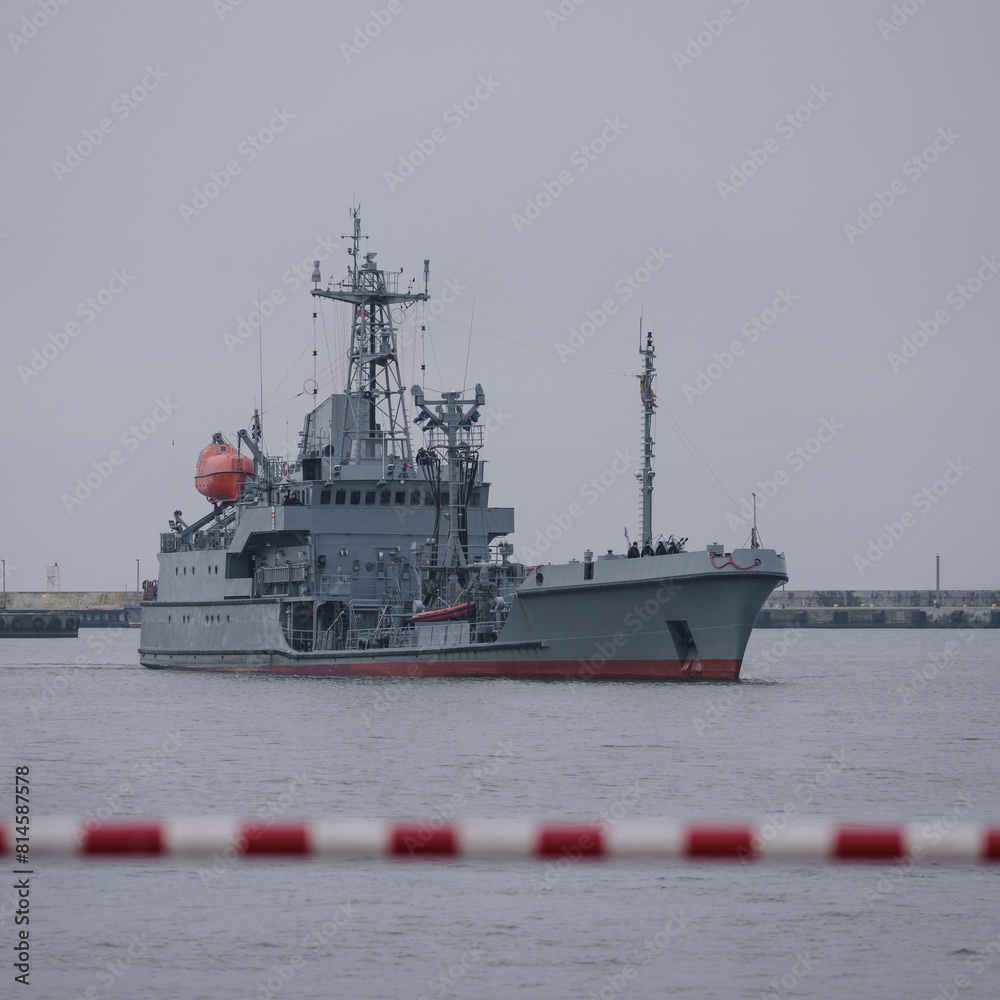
(369, 497)
(340, 497)
(415, 498)
(355, 497)
(384, 497)
(400, 499)
(324, 496)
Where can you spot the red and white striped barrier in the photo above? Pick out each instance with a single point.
(796, 843)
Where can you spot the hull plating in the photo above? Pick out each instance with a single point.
(615, 670)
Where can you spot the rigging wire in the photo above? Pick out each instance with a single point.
(559, 361)
(701, 462)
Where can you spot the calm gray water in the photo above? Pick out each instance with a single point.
(830, 724)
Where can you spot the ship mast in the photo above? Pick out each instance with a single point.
(374, 386)
(645, 477)
(451, 424)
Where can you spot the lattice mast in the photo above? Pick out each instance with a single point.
(374, 384)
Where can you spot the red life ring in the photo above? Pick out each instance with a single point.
(284, 468)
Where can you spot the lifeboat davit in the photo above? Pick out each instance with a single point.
(222, 471)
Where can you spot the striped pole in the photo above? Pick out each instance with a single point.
(503, 839)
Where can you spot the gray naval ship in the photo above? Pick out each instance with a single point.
(365, 557)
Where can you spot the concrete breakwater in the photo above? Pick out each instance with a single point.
(880, 609)
(67, 599)
(883, 598)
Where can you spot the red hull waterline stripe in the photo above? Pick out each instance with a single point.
(572, 670)
(796, 843)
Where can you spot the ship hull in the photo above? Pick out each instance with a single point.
(672, 618)
(510, 669)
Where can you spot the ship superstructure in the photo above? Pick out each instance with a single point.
(368, 556)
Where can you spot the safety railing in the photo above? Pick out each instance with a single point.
(796, 843)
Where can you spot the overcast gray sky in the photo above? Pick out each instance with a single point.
(814, 183)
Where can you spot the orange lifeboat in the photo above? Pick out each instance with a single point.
(222, 471)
